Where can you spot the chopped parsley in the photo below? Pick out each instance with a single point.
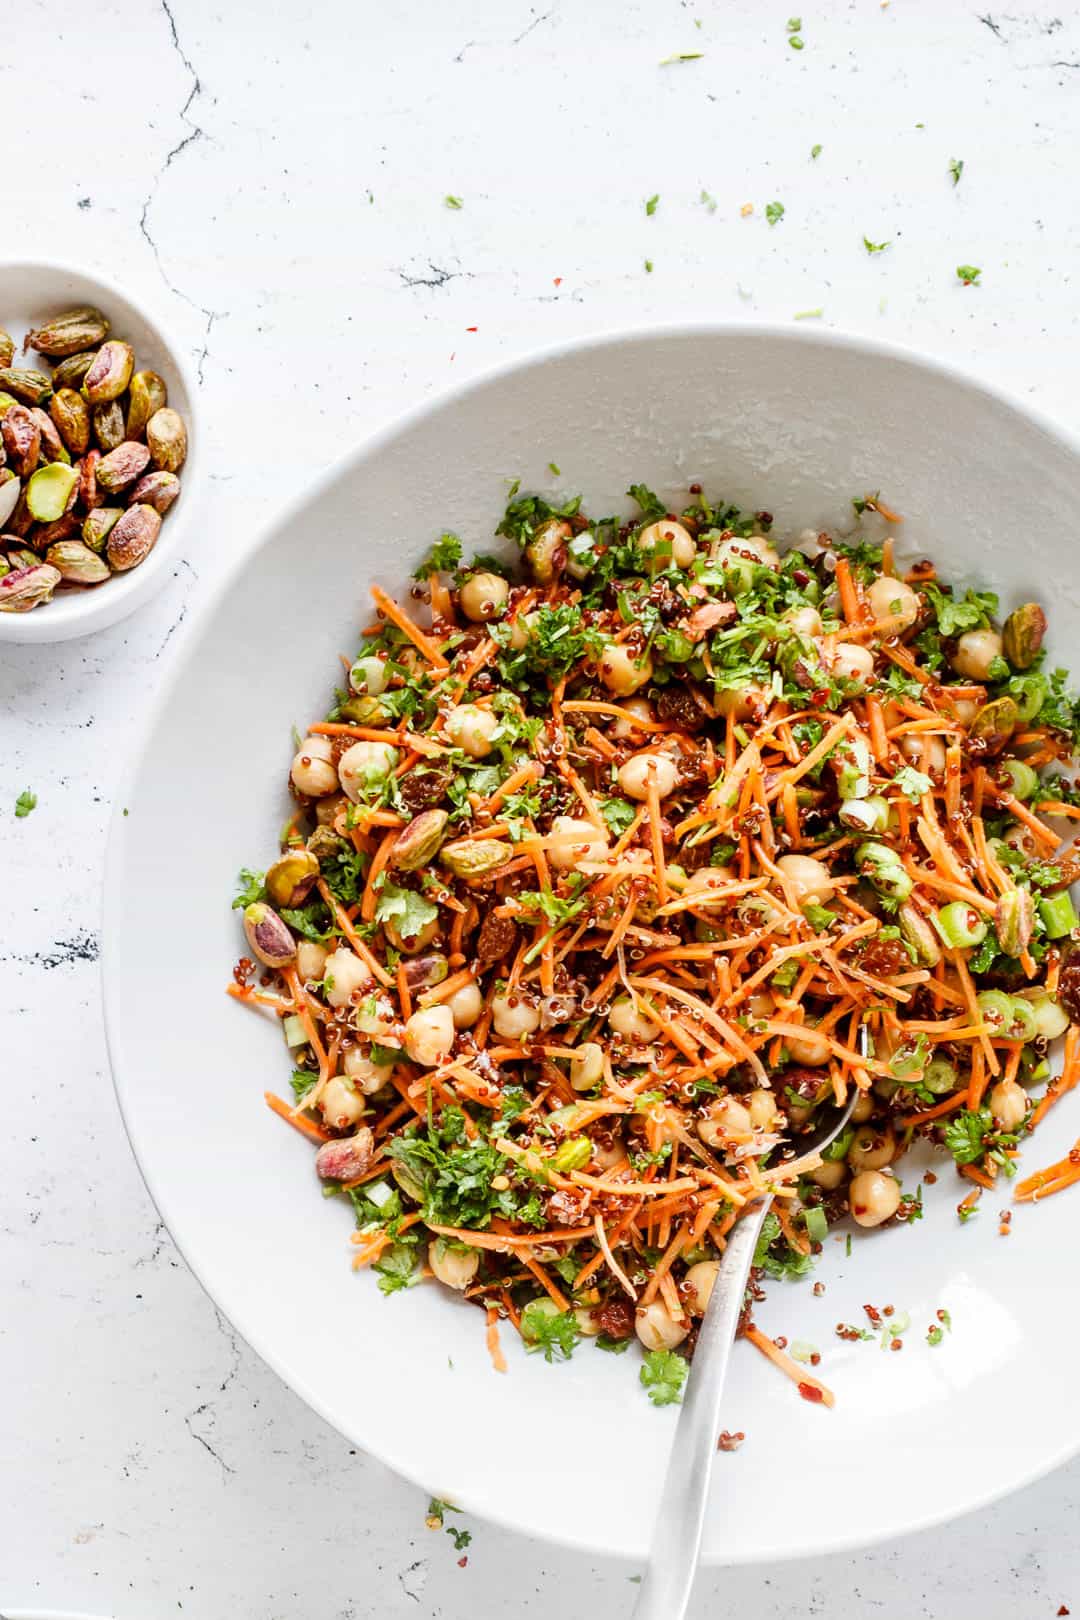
(956, 169)
(969, 274)
(774, 211)
(815, 150)
(443, 557)
(875, 247)
(249, 888)
(973, 612)
(663, 1374)
(619, 814)
(453, 202)
(652, 204)
(554, 1333)
(934, 1334)
(26, 802)
(408, 911)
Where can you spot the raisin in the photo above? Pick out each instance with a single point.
(498, 936)
(422, 788)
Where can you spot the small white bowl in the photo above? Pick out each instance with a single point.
(29, 295)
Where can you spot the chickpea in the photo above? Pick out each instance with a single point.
(703, 881)
(454, 1266)
(587, 1321)
(657, 1328)
(810, 879)
(762, 1107)
(739, 558)
(873, 1197)
(863, 1109)
(761, 1004)
(805, 621)
(587, 1066)
(375, 1016)
(466, 1005)
(893, 599)
(621, 673)
(1020, 838)
(636, 775)
(743, 702)
(641, 708)
(368, 675)
(429, 1036)
(626, 1019)
(852, 661)
(829, 1174)
(310, 961)
(606, 1158)
(365, 765)
(344, 974)
(1008, 1104)
(410, 943)
(811, 1048)
(520, 630)
(699, 1282)
(975, 652)
(579, 840)
(514, 1017)
(672, 539)
(366, 1076)
(726, 1118)
(472, 729)
(927, 754)
(341, 1104)
(871, 1150)
(483, 597)
(312, 769)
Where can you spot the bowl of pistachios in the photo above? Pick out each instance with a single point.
(98, 459)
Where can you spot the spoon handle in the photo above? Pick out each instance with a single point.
(669, 1576)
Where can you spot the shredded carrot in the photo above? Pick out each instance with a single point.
(397, 615)
(804, 1380)
(306, 1127)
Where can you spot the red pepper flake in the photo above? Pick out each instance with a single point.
(472, 329)
(811, 1392)
(729, 1441)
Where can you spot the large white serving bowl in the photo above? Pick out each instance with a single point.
(784, 419)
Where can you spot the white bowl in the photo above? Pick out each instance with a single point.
(29, 295)
(778, 418)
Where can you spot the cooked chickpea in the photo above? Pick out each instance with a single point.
(344, 974)
(628, 1020)
(621, 673)
(451, 1264)
(341, 1103)
(410, 943)
(893, 599)
(698, 1283)
(871, 1150)
(641, 709)
(741, 556)
(805, 621)
(809, 879)
(366, 1076)
(1020, 838)
(743, 702)
(472, 729)
(671, 539)
(975, 652)
(1008, 1104)
(829, 1174)
(965, 710)
(466, 1005)
(927, 754)
(328, 808)
(607, 1155)
(578, 840)
(520, 629)
(657, 1328)
(588, 1323)
(761, 1004)
(811, 1048)
(312, 769)
(310, 960)
(637, 774)
(852, 661)
(863, 1109)
(364, 765)
(726, 1118)
(375, 1016)
(429, 1036)
(873, 1197)
(762, 1106)
(483, 597)
(514, 1017)
(369, 675)
(587, 1065)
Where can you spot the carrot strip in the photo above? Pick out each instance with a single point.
(397, 615)
(306, 1127)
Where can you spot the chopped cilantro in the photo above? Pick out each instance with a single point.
(969, 274)
(409, 912)
(619, 814)
(875, 247)
(453, 202)
(708, 201)
(443, 557)
(554, 1333)
(652, 507)
(461, 1538)
(965, 1132)
(934, 1335)
(663, 1374)
(26, 802)
(652, 204)
(973, 612)
(454, 1173)
(249, 888)
(774, 211)
(397, 1268)
(912, 783)
(956, 169)
(815, 150)
(604, 1341)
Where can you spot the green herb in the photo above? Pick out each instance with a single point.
(455, 1173)
(774, 211)
(945, 1318)
(785, 1262)
(682, 56)
(973, 612)
(461, 1538)
(815, 150)
(794, 25)
(965, 1132)
(956, 169)
(969, 274)
(556, 472)
(652, 507)
(619, 814)
(525, 513)
(453, 202)
(648, 267)
(663, 1374)
(249, 885)
(555, 1334)
(874, 247)
(443, 557)
(652, 204)
(310, 921)
(302, 1082)
(708, 201)
(795, 42)
(819, 917)
(409, 912)
(26, 802)
(912, 783)
(397, 1268)
(604, 1341)
(934, 1335)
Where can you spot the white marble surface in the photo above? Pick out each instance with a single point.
(274, 177)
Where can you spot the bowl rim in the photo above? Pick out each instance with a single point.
(100, 609)
(291, 511)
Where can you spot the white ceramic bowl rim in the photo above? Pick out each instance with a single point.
(972, 1496)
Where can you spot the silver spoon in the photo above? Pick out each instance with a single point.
(676, 1543)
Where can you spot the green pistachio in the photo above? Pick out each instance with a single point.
(71, 372)
(994, 725)
(290, 879)
(97, 524)
(76, 563)
(1014, 920)
(132, 537)
(10, 490)
(146, 395)
(474, 857)
(26, 588)
(67, 334)
(109, 424)
(919, 934)
(167, 437)
(362, 710)
(1023, 635)
(268, 936)
(53, 447)
(21, 438)
(418, 843)
(110, 372)
(28, 387)
(546, 552)
(157, 489)
(7, 348)
(48, 491)
(424, 972)
(122, 466)
(71, 414)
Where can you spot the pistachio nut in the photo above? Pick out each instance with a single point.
(290, 879)
(110, 372)
(26, 588)
(53, 447)
(21, 438)
(66, 527)
(146, 394)
(68, 333)
(268, 936)
(474, 857)
(6, 401)
(122, 466)
(28, 387)
(1023, 635)
(76, 563)
(97, 525)
(71, 415)
(546, 551)
(89, 494)
(994, 725)
(919, 934)
(418, 843)
(20, 522)
(132, 537)
(424, 972)
(19, 556)
(156, 489)
(363, 710)
(7, 348)
(71, 372)
(1014, 920)
(109, 424)
(10, 490)
(5, 567)
(48, 491)
(324, 843)
(167, 437)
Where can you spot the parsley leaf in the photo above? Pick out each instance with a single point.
(652, 204)
(774, 211)
(815, 150)
(619, 814)
(875, 247)
(453, 1174)
(965, 1132)
(453, 202)
(969, 274)
(652, 507)
(443, 557)
(409, 912)
(249, 888)
(956, 169)
(554, 1333)
(26, 802)
(663, 1374)
(973, 612)
(912, 783)
(397, 1268)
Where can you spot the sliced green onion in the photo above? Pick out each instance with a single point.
(1058, 914)
(294, 1031)
(379, 1193)
(817, 1226)
(1023, 1026)
(960, 925)
(940, 1076)
(1022, 780)
(882, 867)
(865, 815)
(997, 1011)
(1050, 1019)
(909, 1057)
(1029, 694)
